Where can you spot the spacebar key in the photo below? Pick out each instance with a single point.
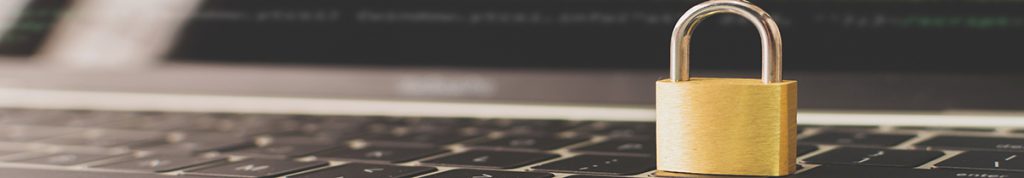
(45, 173)
(889, 172)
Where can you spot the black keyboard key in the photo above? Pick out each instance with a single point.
(416, 139)
(338, 123)
(64, 159)
(204, 136)
(50, 173)
(380, 154)
(255, 168)
(190, 147)
(800, 129)
(470, 173)
(891, 172)
(167, 122)
(360, 170)
(625, 147)
(985, 160)
(280, 151)
(973, 143)
(875, 157)
(622, 130)
(848, 127)
(524, 130)
(307, 139)
(971, 129)
(598, 164)
(958, 129)
(491, 159)
(255, 124)
(804, 149)
(857, 138)
(529, 143)
(514, 126)
(159, 163)
(438, 126)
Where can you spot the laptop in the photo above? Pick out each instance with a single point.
(485, 89)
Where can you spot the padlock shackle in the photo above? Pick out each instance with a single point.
(771, 42)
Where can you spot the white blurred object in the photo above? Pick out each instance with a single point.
(10, 10)
(116, 34)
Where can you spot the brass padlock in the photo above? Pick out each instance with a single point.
(726, 126)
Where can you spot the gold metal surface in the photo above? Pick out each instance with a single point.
(725, 126)
(718, 126)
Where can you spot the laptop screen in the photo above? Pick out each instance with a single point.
(847, 54)
(831, 35)
(25, 24)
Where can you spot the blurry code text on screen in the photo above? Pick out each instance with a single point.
(896, 35)
(33, 23)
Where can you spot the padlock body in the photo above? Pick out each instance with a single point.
(726, 126)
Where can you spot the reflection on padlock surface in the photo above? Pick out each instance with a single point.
(726, 126)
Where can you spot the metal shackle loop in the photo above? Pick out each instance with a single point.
(771, 42)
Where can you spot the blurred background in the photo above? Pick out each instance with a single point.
(847, 54)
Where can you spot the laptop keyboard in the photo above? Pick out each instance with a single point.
(81, 143)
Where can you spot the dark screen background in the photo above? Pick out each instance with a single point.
(818, 35)
(32, 27)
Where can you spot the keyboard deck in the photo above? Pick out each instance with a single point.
(116, 144)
